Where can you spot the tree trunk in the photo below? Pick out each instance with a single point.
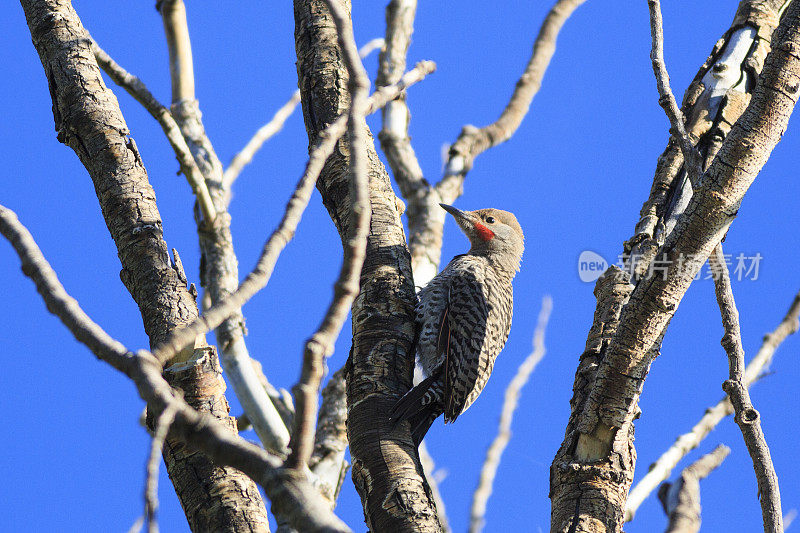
(88, 119)
(386, 467)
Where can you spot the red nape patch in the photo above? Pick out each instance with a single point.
(483, 232)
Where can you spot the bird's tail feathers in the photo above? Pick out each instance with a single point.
(420, 406)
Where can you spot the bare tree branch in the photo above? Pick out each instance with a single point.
(181, 64)
(262, 135)
(662, 468)
(425, 217)
(429, 466)
(151, 483)
(474, 141)
(136, 88)
(386, 469)
(330, 441)
(393, 136)
(219, 274)
(596, 458)
(258, 278)
(681, 499)
(747, 418)
(666, 99)
(268, 130)
(788, 518)
(89, 120)
(714, 100)
(291, 495)
(347, 287)
(495, 452)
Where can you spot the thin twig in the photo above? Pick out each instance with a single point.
(662, 468)
(291, 495)
(747, 418)
(260, 275)
(788, 519)
(666, 99)
(495, 452)
(163, 423)
(473, 141)
(320, 344)
(136, 88)
(268, 130)
(262, 135)
(429, 466)
(681, 499)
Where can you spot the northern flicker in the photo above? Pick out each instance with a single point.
(463, 319)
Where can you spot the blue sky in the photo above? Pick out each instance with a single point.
(576, 174)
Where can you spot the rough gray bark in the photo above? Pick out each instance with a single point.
(386, 468)
(593, 469)
(88, 119)
(238, 506)
(321, 343)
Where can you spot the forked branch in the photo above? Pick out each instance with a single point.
(291, 495)
(136, 88)
(258, 278)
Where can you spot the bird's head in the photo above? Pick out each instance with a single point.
(492, 232)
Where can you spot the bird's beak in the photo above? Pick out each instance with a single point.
(467, 221)
(461, 217)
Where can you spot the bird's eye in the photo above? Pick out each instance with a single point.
(490, 220)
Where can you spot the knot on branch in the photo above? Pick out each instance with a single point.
(748, 416)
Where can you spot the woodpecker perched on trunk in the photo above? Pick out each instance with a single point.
(463, 319)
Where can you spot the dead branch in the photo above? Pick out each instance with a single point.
(681, 499)
(291, 495)
(425, 217)
(611, 374)
(136, 88)
(662, 468)
(386, 469)
(258, 278)
(495, 452)
(747, 418)
(262, 135)
(268, 130)
(713, 102)
(321, 343)
(474, 141)
(151, 483)
(666, 99)
(393, 136)
(89, 120)
(330, 441)
(219, 275)
(429, 467)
